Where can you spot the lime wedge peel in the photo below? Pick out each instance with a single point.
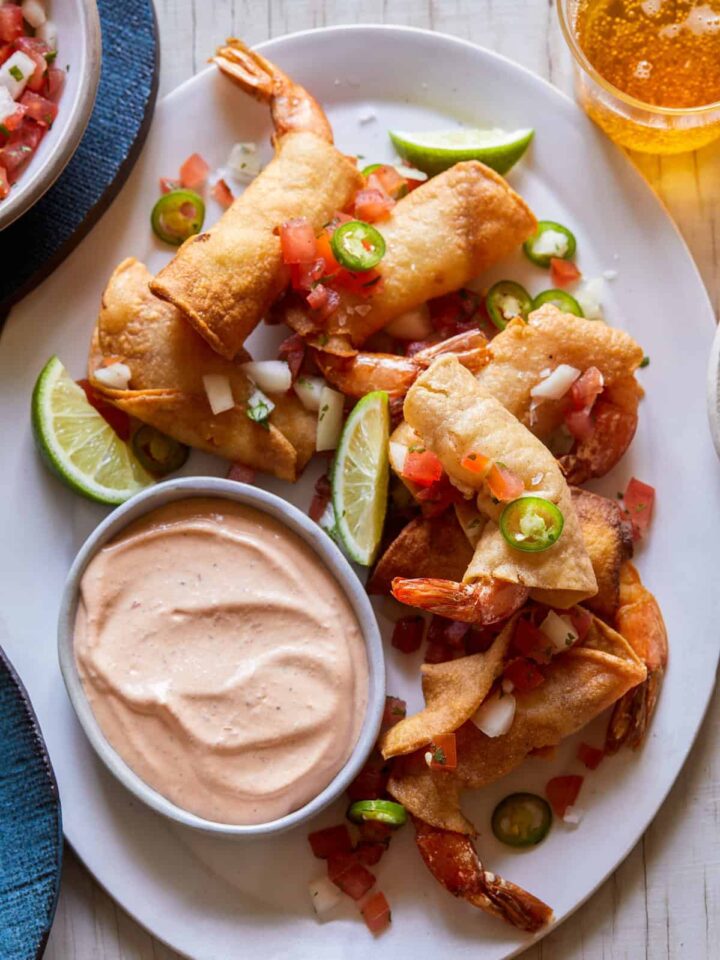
(360, 478)
(438, 150)
(78, 445)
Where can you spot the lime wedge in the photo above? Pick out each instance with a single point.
(436, 151)
(360, 478)
(78, 444)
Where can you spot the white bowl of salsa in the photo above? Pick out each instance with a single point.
(222, 657)
(40, 137)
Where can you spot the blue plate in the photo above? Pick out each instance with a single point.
(31, 840)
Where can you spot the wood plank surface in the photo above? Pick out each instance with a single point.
(664, 900)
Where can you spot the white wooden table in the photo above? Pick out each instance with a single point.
(664, 901)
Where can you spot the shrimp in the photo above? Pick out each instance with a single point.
(453, 861)
(615, 414)
(639, 620)
(291, 106)
(482, 602)
(355, 376)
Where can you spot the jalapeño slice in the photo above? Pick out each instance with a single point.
(531, 524)
(157, 452)
(550, 240)
(384, 811)
(560, 299)
(178, 215)
(522, 820)
(357, 246)
(506, 300)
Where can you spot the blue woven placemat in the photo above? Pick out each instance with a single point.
(30, 826)
(34, 245)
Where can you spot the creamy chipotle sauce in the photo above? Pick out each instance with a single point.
(221, 659)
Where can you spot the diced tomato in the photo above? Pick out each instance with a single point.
(331, 842)
(194, 172)
(369, 853)
(523, 674)
(36, 50)
(372, 831)
(436, 498)
(167, 184)
(376, 913)
(33, 45)
(395, 711)
(479, 639)
(503, 484)
(6, 51)
(241, 474)
(587, 388)
(14, 121)
(20, 148)
(408, 634)
(476, 462)
(562, 792)
(387, 180)
(118, 419)
(55, 82)
(372, 205)
(413, 184)
(580, 424)
(438, 653)
(321, 498)
(371, 782)
(304, 276)
(292, 351)
(581, 620)
(297, 241)
(11, 22)
(563, 272)
(424, 468)
(591, 756)
(4, 183)
(350, 876)
(324, 251)
(362, 284)
(40, 109)
(454, 312)
(449, 633)
(222, 193)
(443, 750)
(639, 499)
(531, 642)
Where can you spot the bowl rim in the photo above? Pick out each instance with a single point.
(191, 488)
(35, 182)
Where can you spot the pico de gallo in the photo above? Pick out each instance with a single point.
(30, 85)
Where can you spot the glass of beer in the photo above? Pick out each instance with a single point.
(647, 71)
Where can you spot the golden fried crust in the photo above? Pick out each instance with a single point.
(225, 279)
(608, 538)
(578, 686)
(168, 360)
(455, 416)
(434, 547)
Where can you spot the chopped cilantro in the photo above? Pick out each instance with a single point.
(645, 362)
(16, 72)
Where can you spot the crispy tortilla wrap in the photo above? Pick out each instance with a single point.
(437, 239)
(455, 416)
(225, 279)
(168, 360)
(609, 543)
(578, 686)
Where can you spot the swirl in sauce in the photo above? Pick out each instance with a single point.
(222, 660)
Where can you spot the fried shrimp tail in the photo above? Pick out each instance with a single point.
(483, 602)
(291, 106)
(640, 622)
(453, 861)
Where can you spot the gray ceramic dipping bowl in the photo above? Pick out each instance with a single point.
(331, 557)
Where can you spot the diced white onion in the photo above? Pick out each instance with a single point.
(259, 407)
(219, 394)
(507, 686)
(557, 384)
(34, 12)
(412, 325)
(244, 162)
(496, 715)
(610, 274)
(116, 376)
(573, 815)
(559, 630)
(398, 454)
(324, 895)
(271, 375)
(589, 296)
(330, 419)
(308, 390)
(7, 104)
(48, 32)
(550, 243)
(410, 173)
(18, 65)
(328, 520)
